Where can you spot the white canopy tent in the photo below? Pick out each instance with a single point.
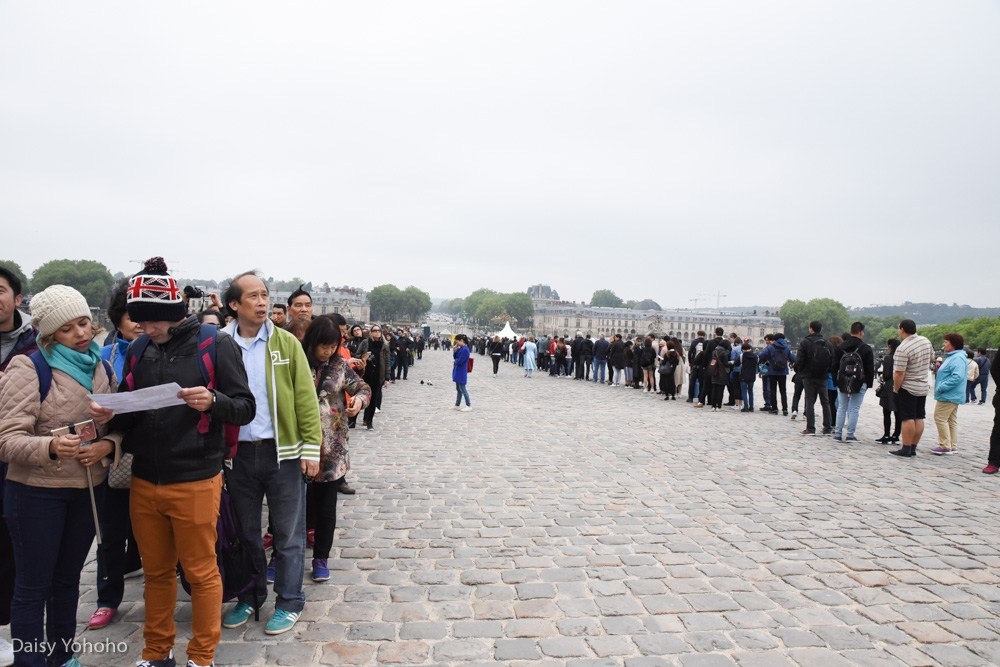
(507, 332)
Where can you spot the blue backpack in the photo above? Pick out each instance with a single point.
(44, 372)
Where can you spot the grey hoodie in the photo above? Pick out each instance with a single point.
(9, 339)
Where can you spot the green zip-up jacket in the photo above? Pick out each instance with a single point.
(291, 396)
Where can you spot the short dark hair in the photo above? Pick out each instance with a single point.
(12, 280)
(769, 336)
(779, 336)
(211, 311)
(235, 293)
(719, 331)
(338, 319)
(982, 351)
(816, 326)
(322, 331)
(117, 300)
(701, 333)
(909, 327)
(957, 341)
(297, 293)
(857, 327)
(280, 306)
(892, 344)
(747, 346)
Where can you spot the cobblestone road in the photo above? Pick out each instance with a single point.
(565, 523)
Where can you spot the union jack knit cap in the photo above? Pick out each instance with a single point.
(153, 295)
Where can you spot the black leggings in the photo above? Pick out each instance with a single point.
(324, 498)
(496, 363)
(887, 422)
(376, 402)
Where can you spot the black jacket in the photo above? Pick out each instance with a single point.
(616, 354)
(167, 446)
(807, 351)
(850, 344)
(601, 347)
(693, 349)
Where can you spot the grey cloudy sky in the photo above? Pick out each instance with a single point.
(661, 149)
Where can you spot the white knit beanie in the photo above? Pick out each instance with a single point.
(56, 305)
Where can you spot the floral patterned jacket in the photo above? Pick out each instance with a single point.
(333, 379)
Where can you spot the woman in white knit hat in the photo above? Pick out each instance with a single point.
(46, 498)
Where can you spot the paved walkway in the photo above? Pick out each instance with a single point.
(565, 523)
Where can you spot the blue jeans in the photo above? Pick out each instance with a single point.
(767, 391)
(462, 391)
(601, 364)
(256, 473)
(119, 551)
(848, 407)
(746, 393)
(51, 530)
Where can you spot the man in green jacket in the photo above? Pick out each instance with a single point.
(277, 452)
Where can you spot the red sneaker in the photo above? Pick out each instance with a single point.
(268, 541)
(991, 469)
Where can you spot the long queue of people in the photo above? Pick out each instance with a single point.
(268, 397)
(836, 371)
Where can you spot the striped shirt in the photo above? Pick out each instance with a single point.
(913, 357)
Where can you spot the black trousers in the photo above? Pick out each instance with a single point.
(496, 363)
(778, 383)
(816, 389)
(716, 395)
(6, 566)
(376, 402)
(324, 499)
(995, 433)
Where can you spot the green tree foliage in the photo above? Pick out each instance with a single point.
(385, 301)
(388, 302)
(798, 314)
(15, 268)
(416, 303)
(92, 279)
(978, 332)
(647, 304)
(925, 313)
(484, 305)
(606, 298)
(285, 285)
(472, 302)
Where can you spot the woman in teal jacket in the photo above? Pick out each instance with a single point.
(949, 392)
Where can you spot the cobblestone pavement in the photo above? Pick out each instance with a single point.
(566, 523)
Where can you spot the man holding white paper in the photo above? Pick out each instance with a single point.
(176, 471)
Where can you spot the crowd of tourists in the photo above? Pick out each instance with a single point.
(268, 396)
(836, 371)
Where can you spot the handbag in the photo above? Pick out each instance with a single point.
(120, 476)
(469, 370)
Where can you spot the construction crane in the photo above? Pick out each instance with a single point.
(719, 296)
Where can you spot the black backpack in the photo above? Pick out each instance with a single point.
(648, 357)
(851, 373)
(821, 358)
(235, 557)
(779, 360)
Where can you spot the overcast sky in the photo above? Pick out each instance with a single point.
(665, 150)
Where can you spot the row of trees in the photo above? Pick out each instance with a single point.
(92, 279)
(485, 305)
(605, 298)
(388, 302)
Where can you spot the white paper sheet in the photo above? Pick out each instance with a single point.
(150, 398)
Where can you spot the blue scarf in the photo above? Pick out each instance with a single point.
(78, 365)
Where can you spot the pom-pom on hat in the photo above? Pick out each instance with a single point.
(56, 305)
(154, 296)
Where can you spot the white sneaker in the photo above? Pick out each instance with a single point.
(466, 408)
(6, 652)
(454, 407)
